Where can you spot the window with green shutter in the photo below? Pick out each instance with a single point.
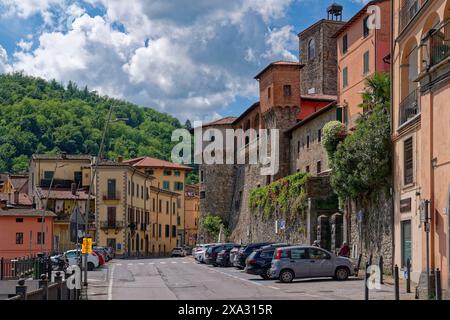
(366, 63)
(166, 185)
(345, 77)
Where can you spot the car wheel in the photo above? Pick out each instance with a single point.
(286, 276)
(341, 274)
(90, 266)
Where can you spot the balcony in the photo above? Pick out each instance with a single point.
(112, 225)
(57, 183)
(408, 12)
(440, 44)
(111, 196)
(410, 107)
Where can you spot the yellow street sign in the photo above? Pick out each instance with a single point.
(86, 248)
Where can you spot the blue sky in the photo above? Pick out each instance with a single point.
(193, 59)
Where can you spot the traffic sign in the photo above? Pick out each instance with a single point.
(86, 248)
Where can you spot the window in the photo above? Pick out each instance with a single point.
(166, 185)
(366, 63)
(311, 49)
(137, 190)
(111, 188)
(202, 194)
(149, 172)
(167, 229)
(178, 186)
(319, 135)
(174, 231)
(147, 194)
(202, 176)
(129, 187)
(269, 92)
(319, 167)
(178, 220)
(365, 27)
(408, 162)
(41, 237)
(19, 220)
(307, 142)
(132, 189)
(111, 213)
(77, 177)
(19, 238)
(287, 91)
(160, 206)
(317, 254)
(153, 230)
(142, 192)
(406, 241)
(159, 230)
(345, 77)
(345, 44)
(154, 205)
(298, 254)
(307, 168)
(167, 207)
(167, 172)
(39, 220)
(177, 173)
(48, 175)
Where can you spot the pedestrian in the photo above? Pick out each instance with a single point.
(344, 251)
(316, 243)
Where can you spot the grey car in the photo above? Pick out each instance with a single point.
(294, 262)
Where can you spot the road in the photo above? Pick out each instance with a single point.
(185, 279)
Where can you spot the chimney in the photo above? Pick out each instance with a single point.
(119, 159)
(16, 197)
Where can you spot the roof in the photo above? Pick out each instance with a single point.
(222, 121)
(63, 194)
(25, 213)
(279, 63)
(24, 199)
(62, 157)
(159, 190)
(246, 112)
(149, 162)
(320, 22)
(18, 181)
(312, 116)
(357, 16)
(320, 97)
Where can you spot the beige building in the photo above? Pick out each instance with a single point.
(50, 180)
(134, 215)
(192, 208)
(168, 177)
(420, 115)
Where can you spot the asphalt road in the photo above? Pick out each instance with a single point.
(183, 278)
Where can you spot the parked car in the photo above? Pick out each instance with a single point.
(200, 252)
(100, 255)
(212, 252)
(294, 262)
(187, 250)
(260, 260)
(223, 257)
(245, 252)
(108, 255)
(74, 257)
(177, 252)
(234, 254)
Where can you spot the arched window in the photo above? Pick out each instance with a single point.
(311, 49)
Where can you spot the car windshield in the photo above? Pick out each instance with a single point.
(267, 253)
(252, 255)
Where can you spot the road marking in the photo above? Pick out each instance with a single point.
(118, 264)
(185, 262)
(174, 262)
(130, 264)
(274, 288)
(150, 263)
(162, 263)
(110, 287)
(140, 263)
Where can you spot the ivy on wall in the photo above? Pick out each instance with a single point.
(287, 195)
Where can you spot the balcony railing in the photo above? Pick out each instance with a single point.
(112, 224)
(111, 196)
(440, 44)
(408, 12)
(410, 107)
(57, 183)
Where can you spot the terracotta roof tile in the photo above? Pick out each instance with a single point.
(24, 199)
(26, 212)
(63, 194)
(149, 162)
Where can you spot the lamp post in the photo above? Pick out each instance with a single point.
(46, 204)
(88, 202)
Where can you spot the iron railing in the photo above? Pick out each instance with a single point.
(407, 12)
(112, 224)
(440, 44)
(111, 196)
(11, 269)
(410, 107)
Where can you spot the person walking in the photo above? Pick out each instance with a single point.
(344, 251)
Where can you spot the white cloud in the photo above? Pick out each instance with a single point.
(188, 60)
(25, 45)
(4, 67)
(27, 8)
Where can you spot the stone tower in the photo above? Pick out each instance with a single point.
(318, 54)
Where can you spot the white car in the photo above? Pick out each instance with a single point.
(74, 257)
(200, 252)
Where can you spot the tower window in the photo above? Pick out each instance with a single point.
(365, 27)
(345, 44)
(287, 90)
(345, 77)
(269, 92)
(311, 49)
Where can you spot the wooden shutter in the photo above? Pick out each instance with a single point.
(408, 162)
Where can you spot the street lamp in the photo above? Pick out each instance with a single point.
(88, 203)
(46, 204)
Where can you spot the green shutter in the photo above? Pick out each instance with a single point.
(339, 114)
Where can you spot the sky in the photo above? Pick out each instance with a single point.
(194, 59)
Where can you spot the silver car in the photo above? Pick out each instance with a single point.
(294, 262)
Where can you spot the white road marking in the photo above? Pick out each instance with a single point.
(118, 264)
(162, 263)
(185, 262)
(150, 263)
(130, 264)
(110, 287)
(174, 262)
(274, 288)
(140, 263)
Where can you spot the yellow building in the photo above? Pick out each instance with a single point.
(50, 179)
(134, 215)
(169, 177)
(192, 208)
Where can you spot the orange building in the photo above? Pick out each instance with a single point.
(421, 135)
(192, 209)
(361, 51)
(20, 231)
